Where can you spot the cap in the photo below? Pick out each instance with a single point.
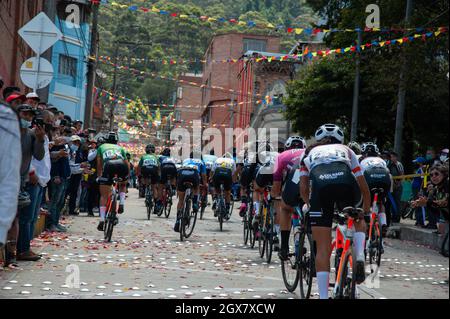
(16, 96)
(33, 95)
(78, 121)
(75, 138)
(7, 91)
(445, 150)
(25, 108)
(420, 160)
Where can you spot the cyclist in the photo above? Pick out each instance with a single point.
(111, 161)
(223, 173)
(377, 176)
(356, 148)
(209, 163)
(148, 172)
(192, 171)
(168, 172)
(335, 175)
(285, 163)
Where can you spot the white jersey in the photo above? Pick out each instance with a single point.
(331, 153)
(373, 162)
(225, 162)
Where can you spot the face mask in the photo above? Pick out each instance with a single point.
(58, 122)
(74, 148)
(443, 158)
(25, 123)
(429, 157)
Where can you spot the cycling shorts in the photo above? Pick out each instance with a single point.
(185, 176)
(168, 171)
(151, 172)
(115, 167)
(291, 188)
(378, 177)
(248, 174)
(331, 184)
(264, 177)
(222, 176)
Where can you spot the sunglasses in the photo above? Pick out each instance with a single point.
(435, 174)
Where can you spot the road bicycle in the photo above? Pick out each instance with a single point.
(203, 203)
(221, 208)
(300, 266)
(149, 200)
(374, 243)
(266, 226)
(112, 209)
(247, 221)
(345, 275)
(167, 201)
(189, 216)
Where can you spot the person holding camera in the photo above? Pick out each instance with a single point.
(60, 172)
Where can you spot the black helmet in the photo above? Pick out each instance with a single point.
(166, 152)
(150, 148)
(112, 138)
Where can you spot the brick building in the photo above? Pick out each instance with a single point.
(218, 112)
(188, 106)
(13, 15)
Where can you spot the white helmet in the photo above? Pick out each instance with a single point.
(295, 142)
(330, 130)
(369, 147)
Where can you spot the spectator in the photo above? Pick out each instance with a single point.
(7, 91)
(33, 100)
(93, 187)
(15, 99)
(396, 169)
(60, 172)
(431, 157)
(42, 169)
(9, 170)
(437, 199)
(443, 157)
(417, 187)
(42, 106)
(32, 141)
(78, 127)
(76, 161)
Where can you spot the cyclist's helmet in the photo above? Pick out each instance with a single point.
(112, 138)
(166, 152)
(150, 149)
(100, 140)
(370, 148)
(294, 142)
(330, 130)
(355, 147)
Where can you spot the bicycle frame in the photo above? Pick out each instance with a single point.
(374, 226)
(343, 240)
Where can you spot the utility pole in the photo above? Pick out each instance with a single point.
(92, 67)
(399, 123)
(114, 88)
(355, 110)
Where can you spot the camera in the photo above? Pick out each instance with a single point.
(38, 121)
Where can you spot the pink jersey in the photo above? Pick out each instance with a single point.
(285, 161)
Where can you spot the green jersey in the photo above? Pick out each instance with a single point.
(149, 160)
(111, 152)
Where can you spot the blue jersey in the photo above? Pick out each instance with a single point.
(196, 163)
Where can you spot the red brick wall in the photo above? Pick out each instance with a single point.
(14, 51)
(191, 96)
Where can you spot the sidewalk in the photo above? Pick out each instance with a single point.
(405, 230)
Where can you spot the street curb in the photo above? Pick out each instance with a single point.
(421, 236)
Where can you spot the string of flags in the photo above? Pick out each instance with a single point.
(167, 61)
(284, 58)
(250, 23)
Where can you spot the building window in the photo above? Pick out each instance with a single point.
(255, 45)
(177, 115)
(180, 93)
(68, 70)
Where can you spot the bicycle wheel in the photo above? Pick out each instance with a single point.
(289, 268)
(246, 229)
(168, 207)
(306, 264)
(262, 237)
(270, 234)
(221, 213)
(190, 222)
(109, 221)
(347, 284)
(203, 206)
(375, 250)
